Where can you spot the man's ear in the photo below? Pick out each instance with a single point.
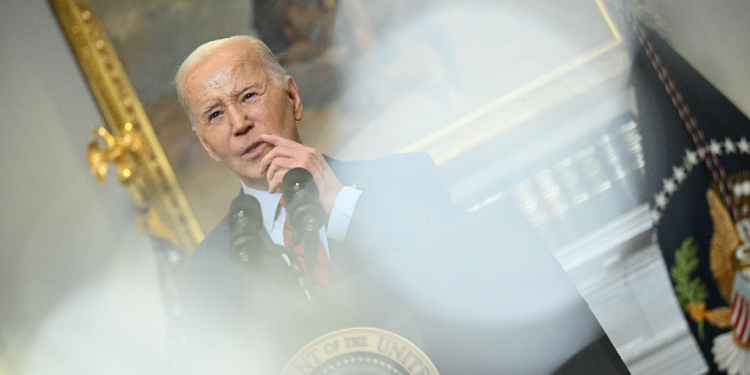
(206, 146)
(293, 94)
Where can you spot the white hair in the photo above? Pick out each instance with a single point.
(267, 58)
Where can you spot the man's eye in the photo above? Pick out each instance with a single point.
(214, 115)
(249, 95)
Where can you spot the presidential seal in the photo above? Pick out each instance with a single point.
(360, 351)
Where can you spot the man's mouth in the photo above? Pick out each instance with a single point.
(252, 148)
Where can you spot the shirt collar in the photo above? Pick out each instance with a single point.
(268, 204)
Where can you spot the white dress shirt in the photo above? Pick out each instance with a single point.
(338, 222)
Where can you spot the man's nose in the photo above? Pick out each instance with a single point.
(239, 121)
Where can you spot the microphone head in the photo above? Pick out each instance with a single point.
(245, 223)
(305, 210)
(297, 179)
(245, 207)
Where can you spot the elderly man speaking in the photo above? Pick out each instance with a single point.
(244, 111)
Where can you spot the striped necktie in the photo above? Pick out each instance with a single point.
(321, 273)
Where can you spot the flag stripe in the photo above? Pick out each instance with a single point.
(743, 320)
(746, 332)
(735, 313)
(740, 308)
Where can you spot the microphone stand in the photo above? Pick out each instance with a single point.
(306, 212)
(303, 279)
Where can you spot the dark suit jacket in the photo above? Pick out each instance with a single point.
(236, 319)
(403, 199)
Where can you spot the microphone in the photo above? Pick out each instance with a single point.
(246, 244)
(303, 206)
(245, 225)
(306, 216)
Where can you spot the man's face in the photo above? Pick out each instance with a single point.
(234, 101)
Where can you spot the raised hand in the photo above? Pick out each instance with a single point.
(288, 154)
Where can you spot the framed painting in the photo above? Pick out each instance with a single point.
(376, 77)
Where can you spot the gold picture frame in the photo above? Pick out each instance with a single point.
(129, 138)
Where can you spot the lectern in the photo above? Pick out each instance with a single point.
(482, 298)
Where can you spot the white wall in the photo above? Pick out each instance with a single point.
(714, 36)
(72, 265)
